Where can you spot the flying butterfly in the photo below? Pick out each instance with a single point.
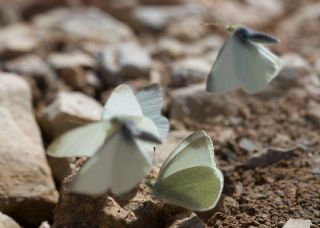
(244, 62)
(120, 146)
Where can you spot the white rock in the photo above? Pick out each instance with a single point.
(25, 177)
(298, 223)
(159, 17)
(68, 110)
(85, 24)
(60, 60)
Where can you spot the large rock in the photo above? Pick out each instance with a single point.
(27, 191)
(7, 222)
(298, 223)
(193, 102)
(126, 61)
(84, 24)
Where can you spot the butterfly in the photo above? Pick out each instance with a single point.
(189, 176)
(244, 62)
(120, 146)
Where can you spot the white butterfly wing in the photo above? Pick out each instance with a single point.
(195, 150)
(223, 75)
(122, 102)
(259, 66)
(96, 175)
(82, 141)
(189, 177)
(151, 101)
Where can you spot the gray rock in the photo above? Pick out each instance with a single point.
(27, 190)
(268, 157)
(84, 24)
(158, 18)
(17, 40)
(7, 222)
(33, 67)
(313, 114)
(189, 71)
(193, 102)
(126, 61)
(71, 67)
(298, 223)
(247, 145)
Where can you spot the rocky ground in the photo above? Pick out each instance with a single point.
(59, 61)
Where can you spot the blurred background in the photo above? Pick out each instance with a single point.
(60, 59)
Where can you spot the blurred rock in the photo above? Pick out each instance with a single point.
(245, 12)
(186, 220)
(7, 222)
(85, 24)
(193, 102)
(268, 157)
(313, 114)
(44, 224)
(27, 191)
(126, 61)
(17, 40)
(169, 144)
(247, 145)
(300, 31)
(172, 48)
(157, 18)
(181, 29)
(189, 71)
(298, 223)
(8, 13)
(228, 205)
(71, 67)
(35, 68)
(68, 110)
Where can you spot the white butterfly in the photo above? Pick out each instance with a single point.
(120, 145)
(189, 176)
(243, 62)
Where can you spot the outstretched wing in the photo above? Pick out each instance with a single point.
(122, 102)
(151, 101)
(82, 141)
(223, 75)
(259, 66)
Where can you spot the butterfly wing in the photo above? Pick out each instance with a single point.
(189, 177)
(197, 188)
(195, 150)
(96, 175)
(82, 141)
(258, 66)
(223, 75)
(122, 102)
(151, 101)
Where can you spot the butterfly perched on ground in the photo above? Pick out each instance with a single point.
(244, 62)
(120, 146)
(189, 176)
